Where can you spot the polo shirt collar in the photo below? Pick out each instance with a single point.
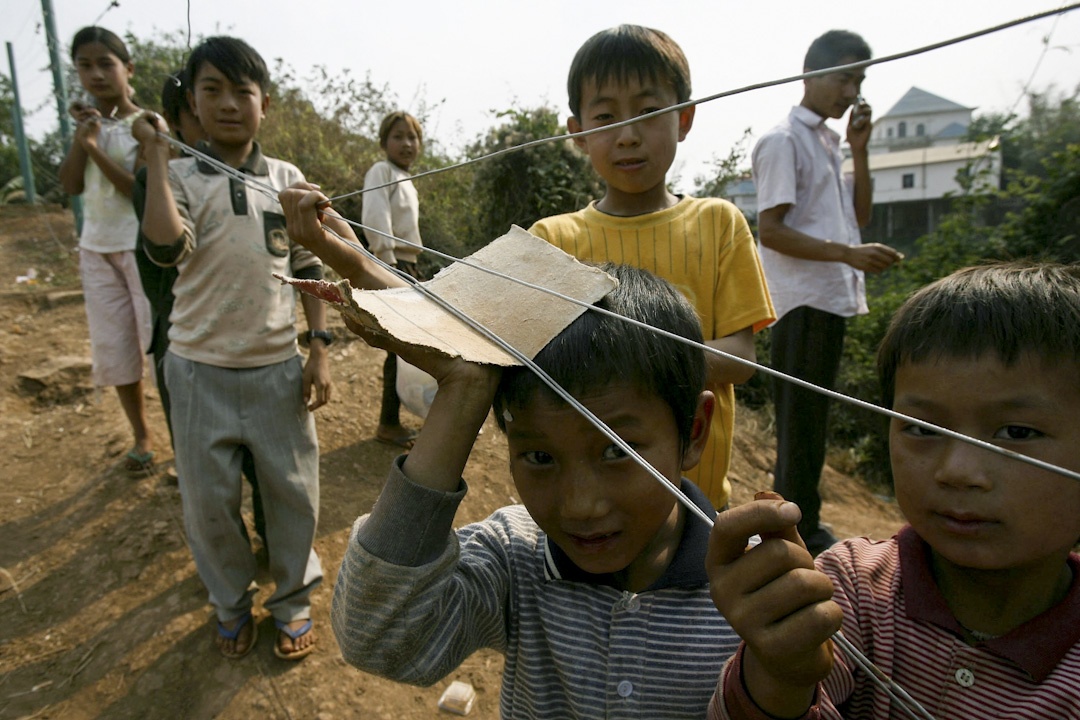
(687, 568)
(254, 163)
(1037, 646)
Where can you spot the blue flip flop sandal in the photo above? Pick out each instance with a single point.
(235, 633)
(294, 634)
(137, 465)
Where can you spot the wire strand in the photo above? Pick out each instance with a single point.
(727, 93)
(833, 394)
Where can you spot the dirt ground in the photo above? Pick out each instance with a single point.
(102, 614)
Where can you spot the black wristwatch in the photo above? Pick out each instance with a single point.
(325, 335)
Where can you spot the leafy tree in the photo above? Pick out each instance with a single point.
(1052, 123)
(9, 154)
(524, 186)
(45, 155)
(156, 58)
(725, 170)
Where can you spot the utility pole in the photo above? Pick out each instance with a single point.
(60, 91)
(20, 137)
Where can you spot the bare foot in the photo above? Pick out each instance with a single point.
(236, 638)
(295, 639)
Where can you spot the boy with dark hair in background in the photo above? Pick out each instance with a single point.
(809, 217)
(235, 377)
(973, 608)
(594, 588)
(702, 246)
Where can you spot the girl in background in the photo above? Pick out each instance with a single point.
(394, 210)
(100, 166)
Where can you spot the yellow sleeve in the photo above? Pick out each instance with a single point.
(741, 298)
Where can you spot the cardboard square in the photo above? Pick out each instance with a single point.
(524, 317)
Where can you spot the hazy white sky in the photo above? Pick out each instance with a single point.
(479, 56)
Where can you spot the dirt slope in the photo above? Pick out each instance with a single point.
(110, 619)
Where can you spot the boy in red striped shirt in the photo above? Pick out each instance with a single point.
(973, 608)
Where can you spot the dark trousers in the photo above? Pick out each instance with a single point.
(807, 344)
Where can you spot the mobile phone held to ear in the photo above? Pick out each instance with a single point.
(860, 113)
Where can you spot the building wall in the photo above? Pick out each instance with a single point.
(927, 181)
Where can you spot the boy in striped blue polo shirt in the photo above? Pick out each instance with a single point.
(594, 589)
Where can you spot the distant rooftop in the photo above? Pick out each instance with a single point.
(920, 102)
(953, 130)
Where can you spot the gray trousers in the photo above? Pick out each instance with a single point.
(216, 413)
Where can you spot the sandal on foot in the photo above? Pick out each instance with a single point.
(283, 627)
(139, 465)
(235, 633)
(405, 441)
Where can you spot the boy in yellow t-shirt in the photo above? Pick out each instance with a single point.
(702, 246)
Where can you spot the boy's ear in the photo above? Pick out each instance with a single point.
(574, 127)
(699, 430)
(265, 103)
(686, 121)
(191, 103)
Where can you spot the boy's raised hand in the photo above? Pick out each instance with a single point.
(146, 127)
(306, 210)
(302, 204)
(775, 600)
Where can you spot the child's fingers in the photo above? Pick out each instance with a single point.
(789, 533)
(733, 528)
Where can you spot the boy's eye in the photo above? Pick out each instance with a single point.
(646, 111)
(614, 452)
(1017, 432)
(537, 457)
(917, 431)
(603, 117)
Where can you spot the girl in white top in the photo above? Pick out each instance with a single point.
(395, 211)
(100, 166)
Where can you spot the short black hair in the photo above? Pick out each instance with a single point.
(94, 34)
(597, 351)
(619, 51)
(174, 97)
(832, 47)
(236, 60)
(1009, 310)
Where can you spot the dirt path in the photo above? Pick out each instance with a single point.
(110, 619)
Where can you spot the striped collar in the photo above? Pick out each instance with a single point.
(687, 568)
(1037, 646)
